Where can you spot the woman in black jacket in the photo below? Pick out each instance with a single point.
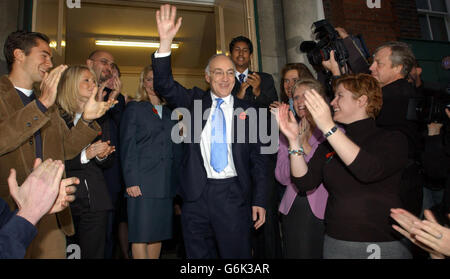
(89, 210)
(361, 169)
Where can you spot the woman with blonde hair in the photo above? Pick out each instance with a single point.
(77, 93)
(361, 169)
(147, 156)
(302, 212)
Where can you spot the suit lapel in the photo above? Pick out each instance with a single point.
(197, 133)
(236, 87)
(206, 104)
(234, 146)
(152, 110)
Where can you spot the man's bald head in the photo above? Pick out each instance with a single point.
(100, 62)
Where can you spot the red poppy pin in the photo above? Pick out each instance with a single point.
(155, 111)
(330, 156)
(99, 133)
(243, 115)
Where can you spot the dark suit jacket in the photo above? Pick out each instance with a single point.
(147, 150)
(111, 127)
(250, 164)
(268, 92)
(16, 233)
(92, 193)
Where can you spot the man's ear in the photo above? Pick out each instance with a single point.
(89, 63)
(19, 55)
(208, 78)
(398, 69)
(419, 71)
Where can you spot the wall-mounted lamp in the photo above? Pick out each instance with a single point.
(54, 44)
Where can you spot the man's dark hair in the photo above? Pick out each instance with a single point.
(241, 39)
(22, 40)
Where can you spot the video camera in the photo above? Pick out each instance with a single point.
(327, 40)
(430, 108)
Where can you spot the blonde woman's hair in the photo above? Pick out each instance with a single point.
(311, 83)
(68, 89)
(141, 94)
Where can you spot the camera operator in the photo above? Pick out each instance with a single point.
(392, 63)
(336, 53)
(436, 161)
(356, 61)
(436, 156)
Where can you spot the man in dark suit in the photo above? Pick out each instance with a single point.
(257, 88)
(108, 77)
(223, 180)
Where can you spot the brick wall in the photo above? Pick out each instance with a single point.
(407, 19)
(395, 19)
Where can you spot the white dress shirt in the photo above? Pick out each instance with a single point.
(205, 140)
(27, 92)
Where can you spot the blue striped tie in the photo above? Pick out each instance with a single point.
(219, 148)
(241, 78)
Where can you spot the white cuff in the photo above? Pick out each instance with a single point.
(101, 159)
(161, 55)
(84, 159)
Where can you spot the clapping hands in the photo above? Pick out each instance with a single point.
(428, 234)
(95, 108)
(100, 149)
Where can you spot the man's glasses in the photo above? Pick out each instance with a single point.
(105, 62)
(218, 74)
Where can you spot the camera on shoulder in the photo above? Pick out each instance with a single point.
(326, 40)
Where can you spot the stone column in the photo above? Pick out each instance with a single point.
(272, 41)
(298, 18)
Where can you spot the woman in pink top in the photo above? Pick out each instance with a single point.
(302, 213)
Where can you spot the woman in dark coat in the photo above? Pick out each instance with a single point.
(90, 208)
(147, 157)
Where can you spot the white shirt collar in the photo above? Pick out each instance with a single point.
(245, 73)
(76, 118)
(226, 100)
(27, 92)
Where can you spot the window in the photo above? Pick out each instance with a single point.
(434, 19)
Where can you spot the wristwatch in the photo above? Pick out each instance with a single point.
(331, 131)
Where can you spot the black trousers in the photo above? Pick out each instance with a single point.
(90, 234)
(303, 232)
(218, 224)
